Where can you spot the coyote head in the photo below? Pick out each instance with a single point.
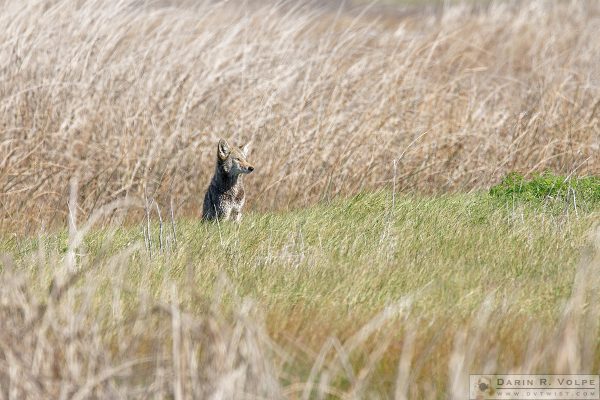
(232, 159)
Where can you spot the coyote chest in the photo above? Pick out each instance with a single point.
(225, 196)
(223, 203)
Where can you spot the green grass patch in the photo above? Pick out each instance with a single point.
(548, 188)
(352, 257)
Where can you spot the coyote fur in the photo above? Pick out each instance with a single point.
(225, 195)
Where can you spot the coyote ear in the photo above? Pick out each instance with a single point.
(223, 149)
(245, 149)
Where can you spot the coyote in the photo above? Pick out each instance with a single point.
(225, 195)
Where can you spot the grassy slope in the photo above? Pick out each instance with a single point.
(329, 270)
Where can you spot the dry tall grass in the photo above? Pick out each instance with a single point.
(130, 97)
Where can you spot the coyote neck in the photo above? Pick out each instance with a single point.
(225, 182)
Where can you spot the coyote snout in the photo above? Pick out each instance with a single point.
(225, 196)
(242, 166)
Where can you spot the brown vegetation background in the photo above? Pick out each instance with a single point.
(129, 99)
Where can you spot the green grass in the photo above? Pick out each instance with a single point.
(560, 192)
(330, 269)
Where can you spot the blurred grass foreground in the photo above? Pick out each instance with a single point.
(369, 297)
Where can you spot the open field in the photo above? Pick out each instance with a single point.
(129, 100)
(372, 262)
(370, 297)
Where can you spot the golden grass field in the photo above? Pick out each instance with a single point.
(371, 262)
(129, 100)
